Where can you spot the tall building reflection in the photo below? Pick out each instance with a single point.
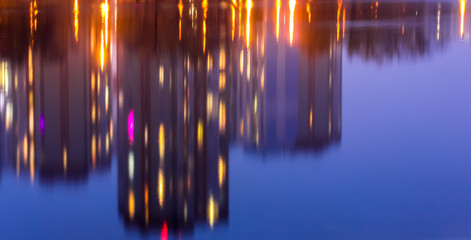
(167, 91)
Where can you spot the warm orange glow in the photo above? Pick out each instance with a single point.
(104, 18)
(213, 211)
(199, 134)
(262, 79)
(204, 4)
(25, 149)
(222, 171)
(93, 147)
(76, 22)
(248, 65)
(131, 204)
(111, 129)
(308, 9)
(241, 126)
(222, 59)
(241, 62)
(310, 119)
(146, 201)
(161, 188)
(278, 8)
(249, 9)
(33, 12)
(343, 24)
(462, 12)
(233, 21)
(161, 141)
(180, 11)
(222, 116)
(31, 114)
(64, 159)
(292, 6)
(102, 52)
(255, 105)
(161, 76)
(339, 8)
(31, 161)
(222, 81)
(30, 65)
(209, 104)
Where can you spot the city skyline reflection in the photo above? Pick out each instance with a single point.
(166, 92)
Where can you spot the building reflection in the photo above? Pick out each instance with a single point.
(167, 91)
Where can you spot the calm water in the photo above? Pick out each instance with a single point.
(243, 120)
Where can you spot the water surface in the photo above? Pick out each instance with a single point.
(235, 120)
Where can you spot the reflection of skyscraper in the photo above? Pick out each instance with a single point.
(281, 88)
(173, 163)
(320, 97)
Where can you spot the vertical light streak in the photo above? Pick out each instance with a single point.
(292, 6)
(278, 8)
(308, 9)
(131, 126)
(76, 23)
(180, 11)
(249, 9)
(462, 12)
(205, 15)
(438, 21)
(233, 21)
(339, 8)
(161, 188)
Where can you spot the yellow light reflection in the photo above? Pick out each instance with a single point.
(310, 119)
(278, 8)
(222, 171)
(93, 147)
(213, 210)
(222, 116)
(111, 129)
(204, 4)
(161, 141)
(339, 8)
(249, 9)
(104, 18)
(209, 104)
(64, 159)
(292, 6)
(131, 204)
(308, 9)
(180, 11)
(30, 65)
(102, 52)
(31, 114)
(25, 149)
(33, 12)
(31, 161)
(222, 81)
(462, 12)
(233, 21)
(222, 59)
(161, 76)
(200, 134)
(76, 22)
(161, 188)
(343, 24)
